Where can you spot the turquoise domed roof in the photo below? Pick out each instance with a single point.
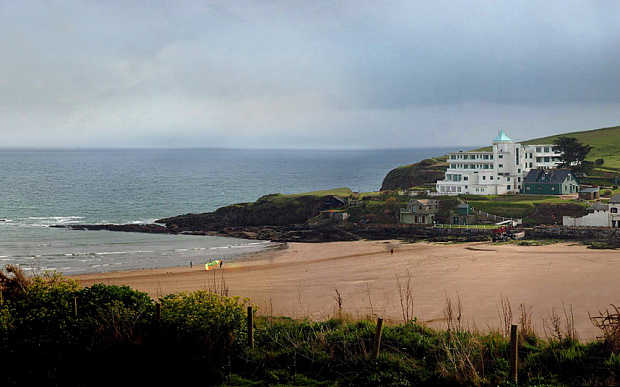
(501, 137)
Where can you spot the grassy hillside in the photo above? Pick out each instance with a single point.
(533, 209)
(605, 144)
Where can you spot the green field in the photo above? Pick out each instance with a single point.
(521, 206)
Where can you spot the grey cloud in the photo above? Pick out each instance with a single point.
(279, 73)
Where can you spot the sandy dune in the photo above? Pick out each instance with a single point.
(301, 280)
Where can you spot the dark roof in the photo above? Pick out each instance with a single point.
(590, 190)
(336, 198)
(615, 199)
(550, 176)
(599, 206)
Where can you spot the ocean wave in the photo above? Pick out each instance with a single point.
(57, 219)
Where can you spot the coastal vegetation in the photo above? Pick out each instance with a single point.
(53, 332)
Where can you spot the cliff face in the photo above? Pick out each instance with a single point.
(413, 175)
(269, 210)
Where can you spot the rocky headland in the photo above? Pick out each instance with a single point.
(427, 171)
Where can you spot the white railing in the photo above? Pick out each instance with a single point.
(478, 226)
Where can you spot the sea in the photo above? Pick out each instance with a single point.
(42, 188)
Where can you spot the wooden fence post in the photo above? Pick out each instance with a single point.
(250, 327)
(514, 345)
(375, 350)
(75, 307)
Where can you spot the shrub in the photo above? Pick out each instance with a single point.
(204, 323)
(607, 193)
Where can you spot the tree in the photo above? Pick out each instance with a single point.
(572, 152)
(600, 162)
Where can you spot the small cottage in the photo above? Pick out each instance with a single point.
(332, 202)
(550, 182)
(590, 193)
(420, 211)
(464, 214)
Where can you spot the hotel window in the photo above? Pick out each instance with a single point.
(538, 149)
(501, 165)
(614, 210)
(491, 177)
(519, 179)
(486, 166)
(491, 157)
(465, 178)
(486, 157)
(538, 159)
(484, 177)
(509, 187)
(546, 159)
(546, 149)
(501, 156)
(453, 157)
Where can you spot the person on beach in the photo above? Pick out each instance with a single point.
(191, 264)
(392, 251)
(221, 262)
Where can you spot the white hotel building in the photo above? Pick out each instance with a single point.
(495, 172)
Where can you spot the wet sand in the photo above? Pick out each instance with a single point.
(301, 280)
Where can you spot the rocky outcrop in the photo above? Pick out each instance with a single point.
(305, 232)
(596, 237)
(145, 228)
(424, 172)
(269, 210)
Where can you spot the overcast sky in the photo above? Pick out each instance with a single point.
(304, 74)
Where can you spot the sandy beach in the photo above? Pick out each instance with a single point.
(301, 280)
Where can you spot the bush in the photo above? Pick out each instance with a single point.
(607, 193)
(204, 323)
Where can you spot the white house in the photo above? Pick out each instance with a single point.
(420, 211)
(495, 172)
(614, 211)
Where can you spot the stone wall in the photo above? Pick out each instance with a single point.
(419, 232)
(572, 233)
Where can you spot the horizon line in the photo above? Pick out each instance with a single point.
(217, 148)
